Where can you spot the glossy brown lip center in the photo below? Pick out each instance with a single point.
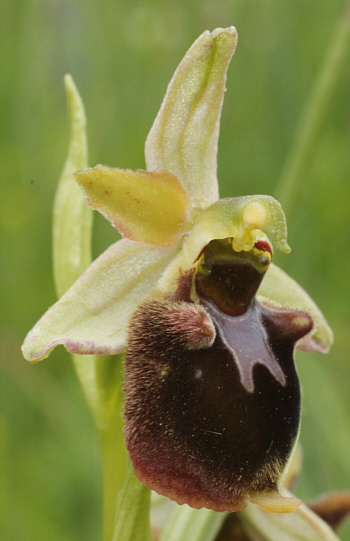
(228, 278)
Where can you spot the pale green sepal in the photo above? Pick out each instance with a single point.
(92, 316)
(132, 522)
(278, 287)
(303, 524)
(244, 219)
(72, 218)
(183, 139)
(193, 524)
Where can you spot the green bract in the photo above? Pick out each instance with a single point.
(191, 266)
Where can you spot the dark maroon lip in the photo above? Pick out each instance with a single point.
(263, 246)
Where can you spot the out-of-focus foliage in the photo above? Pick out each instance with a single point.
(122, 55)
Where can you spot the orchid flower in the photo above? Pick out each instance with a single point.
(208, 324)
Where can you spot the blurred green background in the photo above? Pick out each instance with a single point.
(122, 55)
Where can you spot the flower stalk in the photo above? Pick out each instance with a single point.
(132, 511)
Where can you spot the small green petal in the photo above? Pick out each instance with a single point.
(92, 317)
(184, 136)
(278, 287)
(144, 206)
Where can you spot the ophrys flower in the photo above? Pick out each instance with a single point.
(208, 324)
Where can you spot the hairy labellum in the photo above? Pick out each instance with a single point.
(212, 398)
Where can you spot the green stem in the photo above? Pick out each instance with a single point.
(132, 517)
(291, 181)
(101, 379)
(114, 458)
(110, 428)
(111, 485)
